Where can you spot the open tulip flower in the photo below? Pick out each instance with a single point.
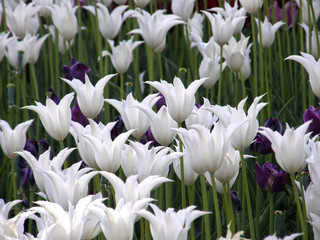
(312, 66)
(161, 125)
(122, 55)
(56, 118)
(154, 28)
(289, 148)
(201, 115)
(268, 31)
(45, 163)
(245, 134)
(171, 225)
(132, 190)
(109, 23)
(118, 223)
(145, 161)
(12, 141)
(73, 223)
(180, 101)
(133, 117)
(89, 97)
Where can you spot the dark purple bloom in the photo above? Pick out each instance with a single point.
(34, 147)
(269, 178)
(76, 70)
(261, 143)
(160, 102)
(313, 114)
(236, 201)
(51, 94)
(289, 9)
(117, 129)
(77, 115)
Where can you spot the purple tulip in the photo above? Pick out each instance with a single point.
(117, 129)
(34, 147)
(76, 70)
(160, 102)
(261, 143)
(313, 114)
(278, 12)
(236, 201)
(269, 178)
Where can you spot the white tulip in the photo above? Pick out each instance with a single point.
(13, 140)
(180, 101)
(55, 118)
(133, 117)
(89, 97)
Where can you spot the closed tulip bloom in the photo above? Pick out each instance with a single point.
(55, 118)
(235, 52)
(312, 67)
(122, 55)
(222, 28)
(89, 97)
(183, 8)
(133, 117)
(161, 124)
(13, 140)
(63, 45)
(171, 225)
(268, 31)
(289, 148)
(195, 28)
(154, 28)
(109, 23)
(251, 6)
(23, 19)
(180, 101)
(64, 18)
(313, 40)
(210, 68)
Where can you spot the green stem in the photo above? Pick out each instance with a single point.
(14, 186)
(191, 190)
(150, 59)
(297, 200)
(247, 195)
(304, 211)
(216, 206)
(122, 90)
(183, 190)
(254, 46)
(205, 206)
(220, 76)
(271, 215)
